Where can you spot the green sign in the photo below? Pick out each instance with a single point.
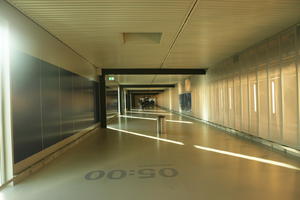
(111, 78)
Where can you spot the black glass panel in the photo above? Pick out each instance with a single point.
(50, 104)
(26, 105)
(66, 99)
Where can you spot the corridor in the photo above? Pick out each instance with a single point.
(191, 160)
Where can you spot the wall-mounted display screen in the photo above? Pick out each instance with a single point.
(185, 100)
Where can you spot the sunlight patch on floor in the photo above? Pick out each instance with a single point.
(146, 136)
(247, 157)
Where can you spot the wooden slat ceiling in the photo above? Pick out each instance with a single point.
(214, 30)
(95, 28)
(218, 29)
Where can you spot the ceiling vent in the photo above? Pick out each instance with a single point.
(142, 38)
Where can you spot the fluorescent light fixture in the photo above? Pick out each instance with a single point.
(111, 78)
(221, 98)
(254, 97)
(230, 100)
(146, 136)
(280, 164)
(119, 103)
(179, 121)
(273, 97)
(170, 99)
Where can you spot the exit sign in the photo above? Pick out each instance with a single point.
(111, 78)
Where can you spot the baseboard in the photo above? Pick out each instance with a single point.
(37, 161)
(273, 145)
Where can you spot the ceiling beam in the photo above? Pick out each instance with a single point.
(149, 86)
(156, 93)
(145, 91)
(151, 71)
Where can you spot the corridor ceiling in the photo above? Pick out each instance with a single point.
(145, 80)
(195, 33)
(150, 79)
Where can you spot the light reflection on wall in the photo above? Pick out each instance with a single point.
(170, 99)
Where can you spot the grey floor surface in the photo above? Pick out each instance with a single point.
(192, 160)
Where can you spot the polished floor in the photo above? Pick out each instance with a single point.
(192, 160)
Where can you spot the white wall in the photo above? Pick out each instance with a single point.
(257, 93)
(28, 37)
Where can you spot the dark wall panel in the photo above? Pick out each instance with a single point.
(66, 100)
(50, 104)
(25, 83)
(185, 101)
(96, 102)
(88, 94)
(86, 103)
(77, 102)
(84, 117)
(127, 96)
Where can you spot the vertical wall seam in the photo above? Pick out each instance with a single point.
(258, 102)
(233, 100)
(256, 99)
(59, 103)
(241, 114)
(248, 98)
(227, 99)
(41, 103)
